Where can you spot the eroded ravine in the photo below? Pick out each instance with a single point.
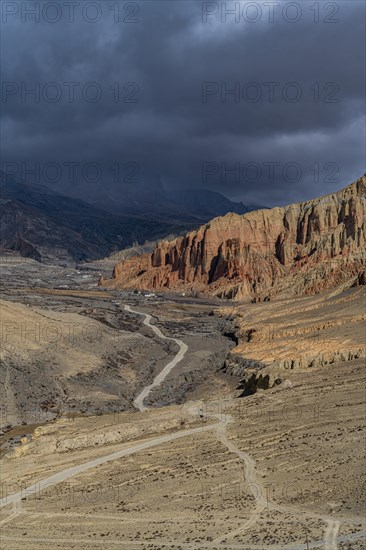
(332, 524)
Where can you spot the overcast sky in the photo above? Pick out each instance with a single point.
(293, 128)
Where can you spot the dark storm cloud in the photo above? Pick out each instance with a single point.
(172, 70)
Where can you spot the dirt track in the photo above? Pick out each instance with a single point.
(261, 506)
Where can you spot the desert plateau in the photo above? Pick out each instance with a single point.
(159, 419)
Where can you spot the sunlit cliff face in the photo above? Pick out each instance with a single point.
(298, 249)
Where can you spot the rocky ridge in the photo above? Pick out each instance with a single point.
(299, 249)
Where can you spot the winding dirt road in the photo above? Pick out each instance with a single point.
(139, 400)
(75, 470)
(332, 524)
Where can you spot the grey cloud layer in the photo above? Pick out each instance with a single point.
(169, 53)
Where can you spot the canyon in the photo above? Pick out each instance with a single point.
(181, 418)
(251, 441)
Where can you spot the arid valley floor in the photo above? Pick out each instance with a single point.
(215, 461)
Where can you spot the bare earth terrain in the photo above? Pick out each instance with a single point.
(200, 467)
(296, 333)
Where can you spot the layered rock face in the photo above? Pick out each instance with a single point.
(295, 333)
(298, 249)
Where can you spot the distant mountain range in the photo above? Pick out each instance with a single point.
(42, 224)
(148, 195)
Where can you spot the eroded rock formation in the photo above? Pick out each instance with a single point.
(298, 249)
(293, 334)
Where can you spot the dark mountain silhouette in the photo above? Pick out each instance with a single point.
(40, 223)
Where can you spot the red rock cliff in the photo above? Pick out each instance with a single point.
(298, 249)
